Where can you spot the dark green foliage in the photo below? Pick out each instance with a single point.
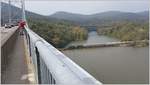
(128, 31)
(58, 34)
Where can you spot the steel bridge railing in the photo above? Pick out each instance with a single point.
(52, 66)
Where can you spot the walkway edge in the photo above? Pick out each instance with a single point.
(30, 67)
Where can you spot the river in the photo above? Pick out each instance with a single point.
(112, 65)
(94, 38)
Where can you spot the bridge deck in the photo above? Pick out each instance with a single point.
(16, 69)
(6, 33)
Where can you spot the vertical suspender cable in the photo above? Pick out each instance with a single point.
(23, 10)
(9, 11)
(0, 13)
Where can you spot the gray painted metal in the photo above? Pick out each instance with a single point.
(23, 9)
(0, 13)
(9, 11)
(55, 67)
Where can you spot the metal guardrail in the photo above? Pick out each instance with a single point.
(52, 66)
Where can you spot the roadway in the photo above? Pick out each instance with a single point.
(6, 33)
(16, 67)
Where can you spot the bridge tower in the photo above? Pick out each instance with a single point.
(23, 9)
(0, 13)
(9, 12)
(12, 16)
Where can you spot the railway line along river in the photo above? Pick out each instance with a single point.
(112, 65)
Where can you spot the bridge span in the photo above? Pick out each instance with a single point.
(50, 66)
(14, 65)
(90, 28)
(29, 59)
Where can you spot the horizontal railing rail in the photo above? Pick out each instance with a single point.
(52, 66)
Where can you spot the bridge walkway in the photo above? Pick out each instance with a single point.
(16, 68)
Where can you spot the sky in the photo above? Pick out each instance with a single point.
(48, 7)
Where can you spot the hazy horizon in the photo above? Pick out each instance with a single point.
(101, 12)
(85, 7)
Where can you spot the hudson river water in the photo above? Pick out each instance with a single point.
(112, 65)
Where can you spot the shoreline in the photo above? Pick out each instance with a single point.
(141, 43)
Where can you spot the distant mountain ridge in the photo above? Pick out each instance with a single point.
(16, 14)
(109, 16)
(93, 19)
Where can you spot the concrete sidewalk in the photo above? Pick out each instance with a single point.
(16, 69)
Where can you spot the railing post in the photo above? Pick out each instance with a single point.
(28, 41)
(38, 66)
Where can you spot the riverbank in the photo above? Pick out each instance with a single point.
(95, 41)
(111, 64)
(127, 31)
(141, 43)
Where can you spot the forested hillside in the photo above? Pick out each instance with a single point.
(58, 34)
(127, 31)
(62, 28)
